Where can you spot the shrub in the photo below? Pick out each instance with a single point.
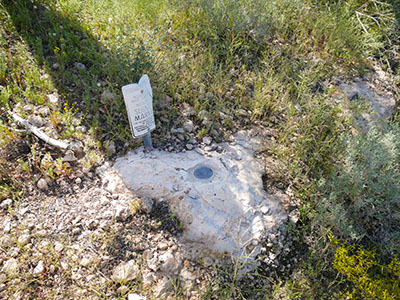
(363, 192)
(370, 279)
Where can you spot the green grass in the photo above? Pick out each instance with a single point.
(269, 59)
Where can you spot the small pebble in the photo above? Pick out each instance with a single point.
(265, 209)
(39, 268)
(136, 297)
(80, 66)
(163, 246)
(207, 140)
(42, 184)
(6, 203)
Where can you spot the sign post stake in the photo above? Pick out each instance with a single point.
(147, 141)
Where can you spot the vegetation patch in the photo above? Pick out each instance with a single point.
(215, 67)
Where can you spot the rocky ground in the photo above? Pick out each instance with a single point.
(82, 236)
(86, 236)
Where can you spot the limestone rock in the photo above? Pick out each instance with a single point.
(7, 225)
(42, 184)
(44, 111)
(24, 239)
(169, 263)
(6, 203)
(149, 279)
(162, 287)
(54, 99)
(76, 146)
(125, 271)
(381, 105)
(188, 126)
(6, 241)
(187, 275)
(122, 213)
(207, 140)
(39, 267)
(10, 266)
(188, 110)
(229, 191)
(69, 156)
(81, 129)
(179, 130)
(36, 121)
(163, 246)
(58, 247)
(136, 297)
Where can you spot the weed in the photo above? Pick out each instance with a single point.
(236, 62)
(370, 278)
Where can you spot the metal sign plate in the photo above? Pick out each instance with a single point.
(139, 104)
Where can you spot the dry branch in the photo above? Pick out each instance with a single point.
(39, 133)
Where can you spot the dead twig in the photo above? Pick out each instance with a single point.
(39, 133)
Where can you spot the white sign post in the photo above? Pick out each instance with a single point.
(139, 104)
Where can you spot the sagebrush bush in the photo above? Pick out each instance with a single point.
(363, 192)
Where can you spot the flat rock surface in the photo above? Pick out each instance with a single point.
(229, 211)
(372, 93)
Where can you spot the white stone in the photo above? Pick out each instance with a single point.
(162, 287)
(219, 212)
(186, 275)
(36, 121)
(6, 203)
(149, 279)
(39, 268)
(10, 266)
(6, 241)
(163, 246)
(7, 227)
(81, 128)
(24, 239)
(122, 213)
(381, 106)
(125, 271)
(69, 156)
(44, 246)
(264, 209)
(54, 99)
(136, 297)
(188, 126)
(58, 247)
(123, 289)
(44, 111)
(207, 140)
(169, 263)
(179, 130)
(86, 261)
(42, 184)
